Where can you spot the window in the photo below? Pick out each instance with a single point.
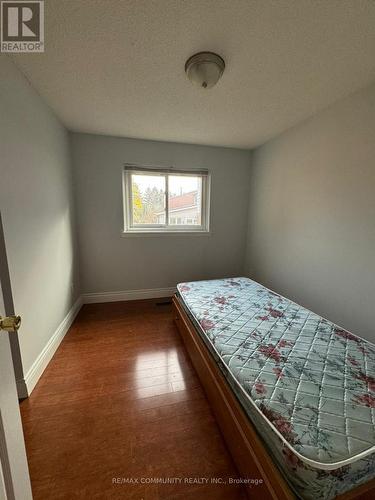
(165, 200)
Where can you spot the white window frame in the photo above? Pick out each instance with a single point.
(136, 229)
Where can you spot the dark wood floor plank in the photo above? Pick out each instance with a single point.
(120, 399)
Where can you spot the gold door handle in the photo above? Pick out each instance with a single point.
(10, 323)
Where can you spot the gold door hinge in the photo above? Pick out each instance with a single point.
(10, 323)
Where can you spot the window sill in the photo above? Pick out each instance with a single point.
(126, 234)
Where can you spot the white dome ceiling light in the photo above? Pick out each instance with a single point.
(204, 69)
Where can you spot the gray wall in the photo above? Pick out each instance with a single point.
(37, 210)
(312, 213)
(110, 262)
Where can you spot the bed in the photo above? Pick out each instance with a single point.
(293, 393)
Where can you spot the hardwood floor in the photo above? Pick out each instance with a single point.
(120, 405)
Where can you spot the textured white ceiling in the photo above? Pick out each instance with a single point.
(117, 66)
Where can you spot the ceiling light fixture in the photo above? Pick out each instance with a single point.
(204, 69)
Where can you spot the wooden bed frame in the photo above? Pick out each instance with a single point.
(246, 447)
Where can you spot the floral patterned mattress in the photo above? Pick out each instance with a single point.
(307, 385)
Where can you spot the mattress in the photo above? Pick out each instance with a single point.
(307, 385)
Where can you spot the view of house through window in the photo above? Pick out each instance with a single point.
(184, 200)
(166, 200)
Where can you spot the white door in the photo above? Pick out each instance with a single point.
(14, 472)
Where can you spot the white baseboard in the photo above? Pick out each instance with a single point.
(152, 293)
(40, 364)
(26, 385)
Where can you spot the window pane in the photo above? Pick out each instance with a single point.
(148, 199)
(184, 201)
